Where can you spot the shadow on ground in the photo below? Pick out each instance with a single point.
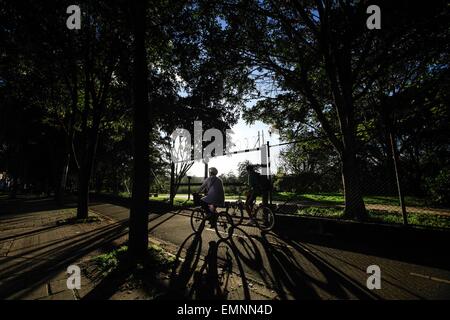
(249, 265)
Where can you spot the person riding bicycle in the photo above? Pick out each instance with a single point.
(215, 193)
(259, 186)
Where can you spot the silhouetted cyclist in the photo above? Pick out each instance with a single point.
(259, 186)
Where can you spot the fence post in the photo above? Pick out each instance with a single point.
(206, 169)
(400, 194)
(269, 172)
(189, 187)
(264, 164)
(172, 182)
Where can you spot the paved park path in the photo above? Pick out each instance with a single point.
(36, 248)
(293, 269)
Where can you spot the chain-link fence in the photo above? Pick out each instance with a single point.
(311, 183)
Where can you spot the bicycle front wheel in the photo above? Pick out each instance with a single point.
(224, 226)
(197, 220)
(264, 218)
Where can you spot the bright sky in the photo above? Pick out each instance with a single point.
(244, 137)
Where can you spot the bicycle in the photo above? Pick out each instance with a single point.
(262, 215)
(221, 221)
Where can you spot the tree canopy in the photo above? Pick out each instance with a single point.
(312, 69)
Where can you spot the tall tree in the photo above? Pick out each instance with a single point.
(318, 59)
(102, 44)
(138, 236)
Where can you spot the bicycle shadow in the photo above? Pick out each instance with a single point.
(212, 272)
(228, 268)
(210, 268)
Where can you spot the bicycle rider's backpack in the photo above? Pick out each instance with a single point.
(264, 182)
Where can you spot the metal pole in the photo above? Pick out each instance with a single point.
(227, 153)
(400, 194)
(206, 170)
(269, 172)
(189, 187)
(263, 154)
(172, 182)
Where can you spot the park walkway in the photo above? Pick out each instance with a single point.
(37, 246)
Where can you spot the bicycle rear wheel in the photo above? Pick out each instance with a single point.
(198, 220)
(264, 218)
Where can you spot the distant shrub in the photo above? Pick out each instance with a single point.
(307, 182)
(439, 187)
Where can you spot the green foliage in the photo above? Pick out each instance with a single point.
(110, 260)
(439, 187)
(321, 212)
(417, 219)
(92, 218)
(156, 260)
(206, 60)
(312, 64)
(180, 201)
(231, 178)
(305, 182)
(338, 199)
(380, 216)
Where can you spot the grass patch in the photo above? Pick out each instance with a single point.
(109, 261)
(157, 260)
(380, 216)
(177, 201)
(4, 193)
(418, 219)
(320, 212)
(124, 194)
(92, 218)
(338, 199)
(116, 265)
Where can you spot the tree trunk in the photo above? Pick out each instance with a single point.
(70, 118)
(354, 203)
(60, 189)
(98, 183)
(13, 188)
(83, 193)
(85, 171)
(138, 234)
(115, 184)
(89, 141)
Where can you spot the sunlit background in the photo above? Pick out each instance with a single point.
(244, 137)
